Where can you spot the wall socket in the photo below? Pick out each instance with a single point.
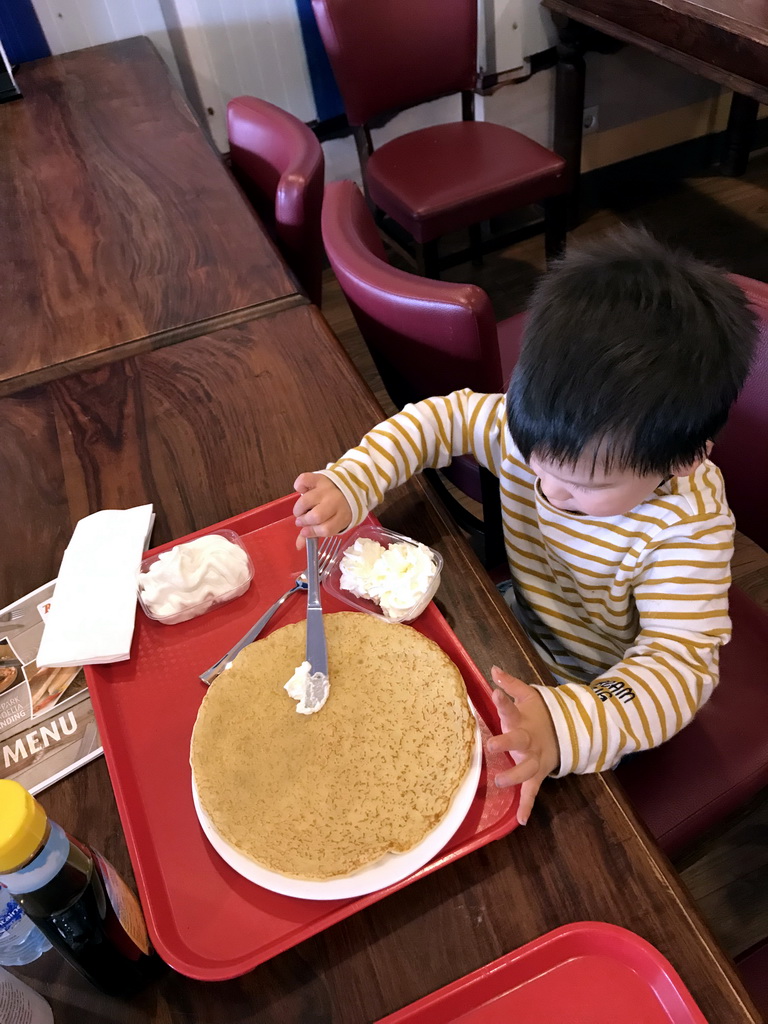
(589, 120)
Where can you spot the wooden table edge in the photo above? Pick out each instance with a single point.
(684, 60)
(149, 343)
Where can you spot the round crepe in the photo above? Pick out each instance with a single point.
(318, 796)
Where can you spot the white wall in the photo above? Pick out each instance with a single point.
(629, 88)
(74, 24)
(242, 47)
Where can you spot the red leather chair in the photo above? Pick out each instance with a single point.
(279, 164)
(740, 450)
(426, 337)
(716, 764)
(390, 55)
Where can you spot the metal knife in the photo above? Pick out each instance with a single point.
(316, 692)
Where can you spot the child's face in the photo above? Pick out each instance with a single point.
(590, 490)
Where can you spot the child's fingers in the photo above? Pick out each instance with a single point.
(304, 503)
(528, 793)
(305, 482)
(326, 529)
(502, 700)
(513, 740)
(509, 714)
(526, 775)
(311, 496)
(317, 521)
(316, 514)
(515, 688)
(324, 521)
(526, 770)
(321, 530)
(504, 704)
(319, 506)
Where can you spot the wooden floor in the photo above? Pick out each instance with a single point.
(724, 220)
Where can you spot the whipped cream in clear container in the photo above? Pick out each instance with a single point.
(385, 573)
(191, 578)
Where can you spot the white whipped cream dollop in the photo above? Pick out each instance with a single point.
(192, 577)
(301, 682)
(396, 578)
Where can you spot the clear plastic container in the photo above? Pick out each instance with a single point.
(371, 531)
(190, 597)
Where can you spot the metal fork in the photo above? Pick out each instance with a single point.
(328, 551)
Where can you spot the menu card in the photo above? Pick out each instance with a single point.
(47, 725)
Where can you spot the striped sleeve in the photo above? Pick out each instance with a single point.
(425, 435)
(671, 668)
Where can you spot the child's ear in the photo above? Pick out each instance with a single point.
(686, 468)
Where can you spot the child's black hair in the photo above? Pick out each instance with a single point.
(632, 353)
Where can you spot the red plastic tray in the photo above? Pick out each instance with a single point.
(205, 920)
(584, 973)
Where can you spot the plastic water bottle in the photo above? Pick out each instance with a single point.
(20, 941)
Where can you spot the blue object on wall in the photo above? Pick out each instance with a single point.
(20, 32)
(324, 88)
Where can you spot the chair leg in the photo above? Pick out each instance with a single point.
(427, 260)
(476, 244)
(570, 76)
(556, 212)
(739, 134)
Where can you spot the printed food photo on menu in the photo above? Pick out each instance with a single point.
(48, 685)
(10, 667)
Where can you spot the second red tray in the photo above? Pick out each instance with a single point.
(585, 973)
(205, 920)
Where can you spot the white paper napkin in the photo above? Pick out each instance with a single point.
(93, 608)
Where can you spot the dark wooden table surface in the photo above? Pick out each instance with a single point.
(723, 40)
(121, 229)
(250, 407)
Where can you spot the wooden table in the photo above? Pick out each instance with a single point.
(723, 40)
(214, 448)
(123, 234)
(122, 230)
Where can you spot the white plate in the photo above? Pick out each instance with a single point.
(390, 868)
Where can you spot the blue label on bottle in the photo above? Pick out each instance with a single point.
(9, 915)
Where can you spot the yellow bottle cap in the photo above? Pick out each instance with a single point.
(22, 825)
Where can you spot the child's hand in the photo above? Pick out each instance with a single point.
(321, 510)
(528, 734)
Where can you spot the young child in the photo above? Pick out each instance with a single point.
(616, 525)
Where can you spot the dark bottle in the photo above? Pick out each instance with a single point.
(74, 896)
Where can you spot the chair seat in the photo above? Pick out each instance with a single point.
(711, 768)
(446, 177)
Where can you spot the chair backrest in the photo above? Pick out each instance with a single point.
(389, 54)
(279, 163)
(741, 450)
(426, 337)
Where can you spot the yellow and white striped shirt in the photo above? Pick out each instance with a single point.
(629, 611)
